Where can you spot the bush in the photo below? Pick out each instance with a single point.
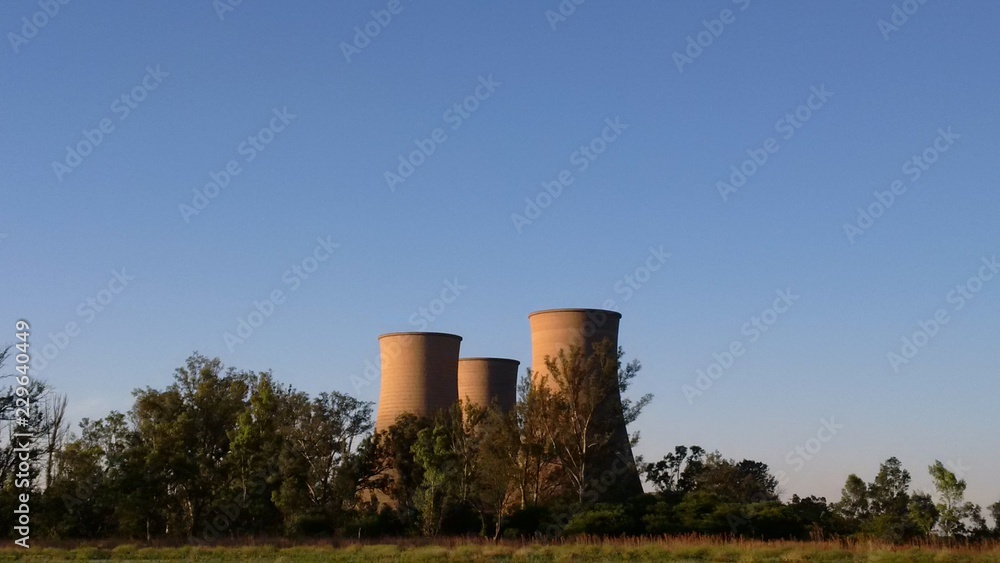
(310, 524)
(527, 522)
(601, 520)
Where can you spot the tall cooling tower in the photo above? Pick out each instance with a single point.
(614, 475)
(419, 374)
(483, 380)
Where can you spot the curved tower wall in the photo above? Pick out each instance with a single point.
(558, 329)
(483, 380)
(419, 374)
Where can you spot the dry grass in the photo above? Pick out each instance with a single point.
(683, 548)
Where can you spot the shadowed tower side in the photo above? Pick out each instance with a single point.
(559, 329)
(419, 374)
(484, 380)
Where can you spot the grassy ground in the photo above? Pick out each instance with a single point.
(637, 549)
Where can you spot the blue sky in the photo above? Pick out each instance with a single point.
(183, 94)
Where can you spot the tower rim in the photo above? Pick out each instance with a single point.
(418, 333)
(486, 359)
(576, 310)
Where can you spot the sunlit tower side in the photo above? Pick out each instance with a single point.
(419, 374)
(614, 475)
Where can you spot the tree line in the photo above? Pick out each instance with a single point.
(227, 453)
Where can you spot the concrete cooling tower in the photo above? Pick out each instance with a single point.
(419, 374)
(483, 380)
(614, 475)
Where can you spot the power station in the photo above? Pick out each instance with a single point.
(422, 374)
(419, 374)
(554, 330)
(485, 380)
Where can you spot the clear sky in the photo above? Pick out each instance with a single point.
(117, 115)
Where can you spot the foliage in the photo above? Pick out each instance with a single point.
(221, 454)
(954, 514)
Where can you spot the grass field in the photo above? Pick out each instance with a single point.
(586, 549)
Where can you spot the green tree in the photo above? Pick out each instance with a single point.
(535, 460)
(815, 516)
(12, 397)
(854, 507)
(582, 410)
(494, 485)
(100, 486)
(951, 506)
(186, 431)
(889, 502)
(441, 484)
(252, 461)
(400, 475)
(319, 485)
(675, 474)
(745, 482)
(923, 512)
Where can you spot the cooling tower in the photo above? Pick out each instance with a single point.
(614, 475)
(483, 380)
(419, 374)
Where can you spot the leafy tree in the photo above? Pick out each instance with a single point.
(979, 529)
(675, 474)
(401, 475)
(889, 491)
(745, 482)
(535, 460)
(923, 512)
(255, 447)
(889, 502)
(814, 515)
(854, 506)
(54, 414)
(441, 484)
(186, 430)
(951, 506)
(995, 514)
(37, 425)
(582, 410)
(319, 438)
(496, 466)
